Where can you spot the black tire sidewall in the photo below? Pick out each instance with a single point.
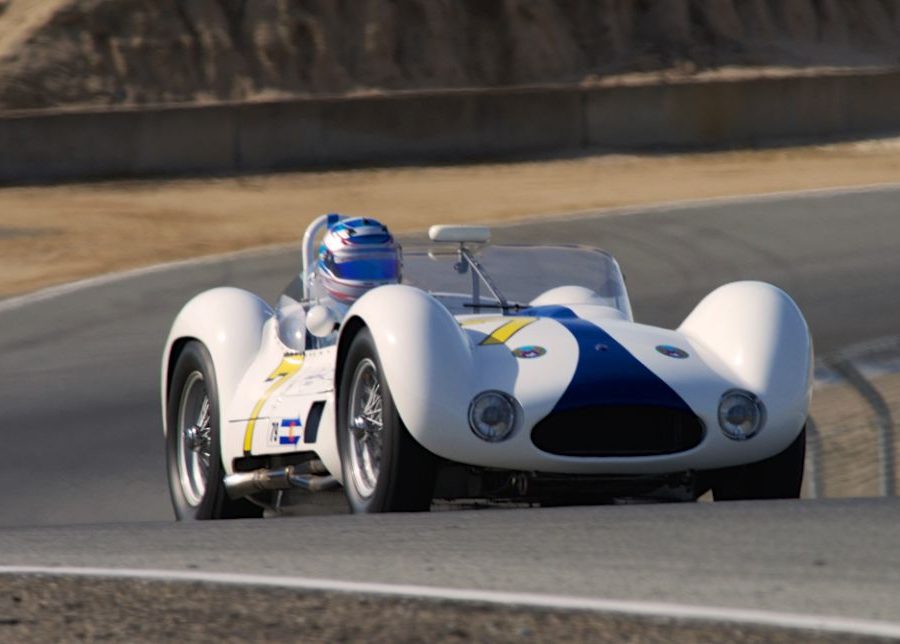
(405, 478)
(778, 477)
(362, 346)
(215, 504)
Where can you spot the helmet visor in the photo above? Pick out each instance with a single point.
(367, 267)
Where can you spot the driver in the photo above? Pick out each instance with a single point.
(355, 256)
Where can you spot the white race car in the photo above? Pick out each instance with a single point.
(528, 384)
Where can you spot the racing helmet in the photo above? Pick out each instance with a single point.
(355, 256)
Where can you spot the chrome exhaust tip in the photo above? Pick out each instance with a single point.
(242, 484)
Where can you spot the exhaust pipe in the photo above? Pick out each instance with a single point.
(312, 478)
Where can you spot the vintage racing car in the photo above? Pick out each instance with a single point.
(491, 373)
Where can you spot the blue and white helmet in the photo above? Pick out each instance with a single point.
(355, 256)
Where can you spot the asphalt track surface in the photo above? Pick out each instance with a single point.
(83, 445)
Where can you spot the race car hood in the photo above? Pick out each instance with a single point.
(571, 357)
(606, 372)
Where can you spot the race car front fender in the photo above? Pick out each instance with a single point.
(229, 322)
(755, 333)
(425, 355)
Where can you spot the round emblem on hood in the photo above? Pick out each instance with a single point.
(529, 351)
(672, 352)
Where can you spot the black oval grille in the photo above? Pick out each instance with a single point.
(618, 431)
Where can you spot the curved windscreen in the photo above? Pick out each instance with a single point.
(518, 274)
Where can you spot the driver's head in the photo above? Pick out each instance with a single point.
(355, 256)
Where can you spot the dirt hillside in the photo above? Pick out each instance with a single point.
(66, 52)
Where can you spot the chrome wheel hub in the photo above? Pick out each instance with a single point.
(193, 438)
(365, 427)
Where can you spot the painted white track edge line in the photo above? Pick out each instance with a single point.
(18, 301)
(527, 600)
(41, 295)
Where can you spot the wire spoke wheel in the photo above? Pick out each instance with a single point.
(194, 464)
(384, 469)
(195, 443)
(365, 422)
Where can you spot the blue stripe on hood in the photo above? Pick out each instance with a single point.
(547, 311)
(609, 375)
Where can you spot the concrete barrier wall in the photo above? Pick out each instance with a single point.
(745, 113)
(441, 126)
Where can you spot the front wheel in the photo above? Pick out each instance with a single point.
(193, 447)
(384, 468)
(777, 477)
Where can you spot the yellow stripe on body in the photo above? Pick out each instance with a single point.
(290, 365)
(503, 333)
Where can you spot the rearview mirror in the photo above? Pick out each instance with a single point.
(460, 234)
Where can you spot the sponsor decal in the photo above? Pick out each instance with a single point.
(286, 432)
(672, 352)
(529, 351)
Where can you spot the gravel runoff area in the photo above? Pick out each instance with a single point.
(70, 609)
(849, 429)
(55, 234)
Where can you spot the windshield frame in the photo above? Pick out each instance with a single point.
(492, 296)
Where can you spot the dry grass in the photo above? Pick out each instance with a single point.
(50, 235)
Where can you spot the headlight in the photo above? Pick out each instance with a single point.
(741, 414)
(492, 416)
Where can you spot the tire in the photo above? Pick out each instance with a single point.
(778, 477)
(193, 442)
(385, 470)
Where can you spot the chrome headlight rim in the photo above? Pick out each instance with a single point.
(511, 406)
(730, 429)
